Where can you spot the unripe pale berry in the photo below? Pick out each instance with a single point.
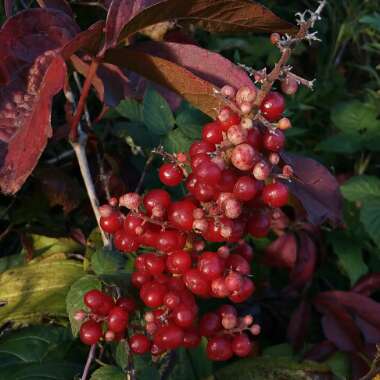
(262, 170)
(284, 124)
(246, 94)
(228, 91)
(236, 134)
(244, 157)
(130, 200)
(289, 85)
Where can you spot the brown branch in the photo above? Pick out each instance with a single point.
(82, 100)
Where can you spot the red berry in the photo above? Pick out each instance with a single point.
(152, 294)
(111, 223)
(219, 348)
(210, 265)
(172, 300)
(226, 310)
(259, 224)
(168, 337)
(219, 289)
(244, 157)
(127, 304)
(138, 279)
(245, 188)
(212, 133)
(289, 86)
(208, 172)
(241, 345)
(180, 215)
(227, 181)
(275, 194)
(204, 192)
(169, 241)
(183, 316)
(93, 299)
(210, 324)
(154, 264)
(254, 138)
(244, 293)
(198, 147)
(228, 118)
(150, 235)
(125, 242)
(197, 282)
(139, 344)
(233, 281)
(133, 224)
(117, 319)
(170, 174)
(178, 262)
(273, 106)
(191, 339)
(238, 264)
(90, 332)
(156, 198)
(274, 140)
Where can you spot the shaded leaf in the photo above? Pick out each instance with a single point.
(373, 20)
(108, 372)
(320, 351)
(282, 252)
(316, 188)
(198, 92)
(190, 121)
(59, 188)
(341, 143)
(157, 114)
(361, 188)
(104, 261)
(215, 16)
(299, 325)
(273, 368)
(371, 333)
(203, 63)
(8, 8)
(74, 299)
(338, 326)
(304, 268)
(31, 78)
(340, 365)
(176, 142)
(59, 5)
(130, 109)
(370, 217)
(37, 289)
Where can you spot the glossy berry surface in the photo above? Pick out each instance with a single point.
(139, 344)
(170, 174)
(90, 332)
(273, 106)
(275, 194)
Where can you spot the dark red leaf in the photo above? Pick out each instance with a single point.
(363, 306)
(371, 333)
(306, 261)
(59, 188)
(282, 252)
(33, 73)
(205, 64)
(338, 325)
(359, 366)
(321, 351)
(195, 90)
(299, 325)
(214, 16)
(59, 5)
(110, 82)
(316, 188)
(368, 284)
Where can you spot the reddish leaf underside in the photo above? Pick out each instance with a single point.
(299, 325)
(32, 73)
(195, 90)
(316, 188)
(282, 252)
(59, 5)
(8, 7)
(368, 284)
(214, 16)
(205, 64)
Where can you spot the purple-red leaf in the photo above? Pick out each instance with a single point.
(367, 284)
(214, 16)
(371, 333)
(8, 7)
(282, 252)
(316, 188)
(205, 64)
(338, 325)
(321, 351)
(306, 261)
(299, 324)
(59, 5)
(195, 90)
(32, 72)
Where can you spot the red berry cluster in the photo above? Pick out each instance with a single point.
(231, 176)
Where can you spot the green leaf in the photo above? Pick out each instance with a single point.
(271, 368)
(201, 364)
(157, 114)
(74, 299)
(370, 217)
(361, 188)
(37, 289)
(47, 245)
(121, 355)
(108, 372)
(282, 350)
(341, 143)
(190, 122)
(11, 261)
(138, 132)
(355, 117)
(176, 142)
(350, 256)
(339, 364)
(104, 261)
(183, 369)
(130, 109)
(372, 20)
(145, 369)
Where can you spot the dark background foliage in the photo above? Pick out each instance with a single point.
(338, 124)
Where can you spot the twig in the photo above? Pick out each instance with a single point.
(131, 372)
(104, 179)
(374, 368)
(143, 174)
(90, 358)
(59, 157)
(82, 100)
(79, 148)
(286, 46)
